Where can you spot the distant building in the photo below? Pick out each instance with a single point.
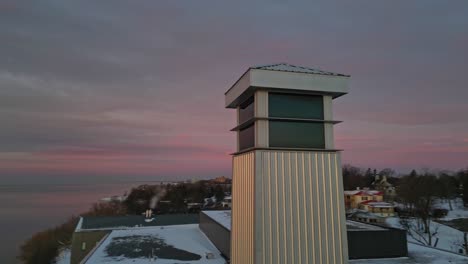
(381, 184)
(365, 216)
(221, 180)
(379, 208)
(354, 198)
(227, 202)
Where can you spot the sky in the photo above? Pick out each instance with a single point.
(125, 90)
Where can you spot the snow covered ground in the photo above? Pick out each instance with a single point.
(459, 211)
(418, 255)
(63, 257)
(449, 238)
(163, 245)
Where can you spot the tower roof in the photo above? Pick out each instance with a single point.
(287, 78)
(285, 67)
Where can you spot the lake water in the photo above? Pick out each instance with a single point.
(26, 209)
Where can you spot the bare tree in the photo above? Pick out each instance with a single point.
(420, 232)
(448, 188)
(419, 192)
(461, 243)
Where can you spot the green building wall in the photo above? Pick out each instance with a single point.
(91, 238)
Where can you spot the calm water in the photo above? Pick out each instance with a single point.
(26, 209)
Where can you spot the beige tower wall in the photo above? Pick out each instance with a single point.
(297, 214)
(242, 229)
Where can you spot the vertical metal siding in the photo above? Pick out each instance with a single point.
(301, 217)
(242, 233)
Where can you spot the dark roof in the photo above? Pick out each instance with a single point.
(96, 222)
(285, 67)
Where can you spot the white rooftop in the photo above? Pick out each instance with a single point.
(365, 192)
(354, 225)
(380, 204)
(418, 254)
(179, 244)
(222, 217)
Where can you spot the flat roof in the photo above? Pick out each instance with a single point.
(114, 222)
(164, 245)
(221, 217)
(358, 226)
(418, 254)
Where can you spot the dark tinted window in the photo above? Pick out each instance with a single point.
(296, 134)
(295, 106)
(247, 137)
(246, 110)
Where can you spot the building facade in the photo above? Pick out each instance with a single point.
(379, 208)
(288, 204)
(353, 199)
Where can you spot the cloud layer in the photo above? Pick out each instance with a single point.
(136, 88)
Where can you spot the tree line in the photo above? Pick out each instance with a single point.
(43, 247)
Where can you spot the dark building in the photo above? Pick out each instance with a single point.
(365, 241)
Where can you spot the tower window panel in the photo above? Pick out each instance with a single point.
(247, 137)
(295, 106)
(288, 134)
(246, 110)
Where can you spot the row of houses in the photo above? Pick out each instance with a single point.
(367, 206)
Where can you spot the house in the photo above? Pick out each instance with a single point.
(221, 180)
(381, 184)
(356, 197)
(227, 202)
(364, 216)
(379, 208)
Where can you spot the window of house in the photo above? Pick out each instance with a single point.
(247, 137)
(83, 246)
(364, 198)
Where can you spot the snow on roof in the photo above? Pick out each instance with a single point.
(222, 217)
(285, 67)
(358, 226)
(378, 204)
(164, 244)
(363, 213)
(130, 221)
(418, 254)
(363, 192)
(354, 192)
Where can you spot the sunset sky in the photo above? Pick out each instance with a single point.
(123, 90)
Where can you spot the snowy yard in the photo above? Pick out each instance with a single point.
(448, 238)
(63, 257)
(459, 211)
